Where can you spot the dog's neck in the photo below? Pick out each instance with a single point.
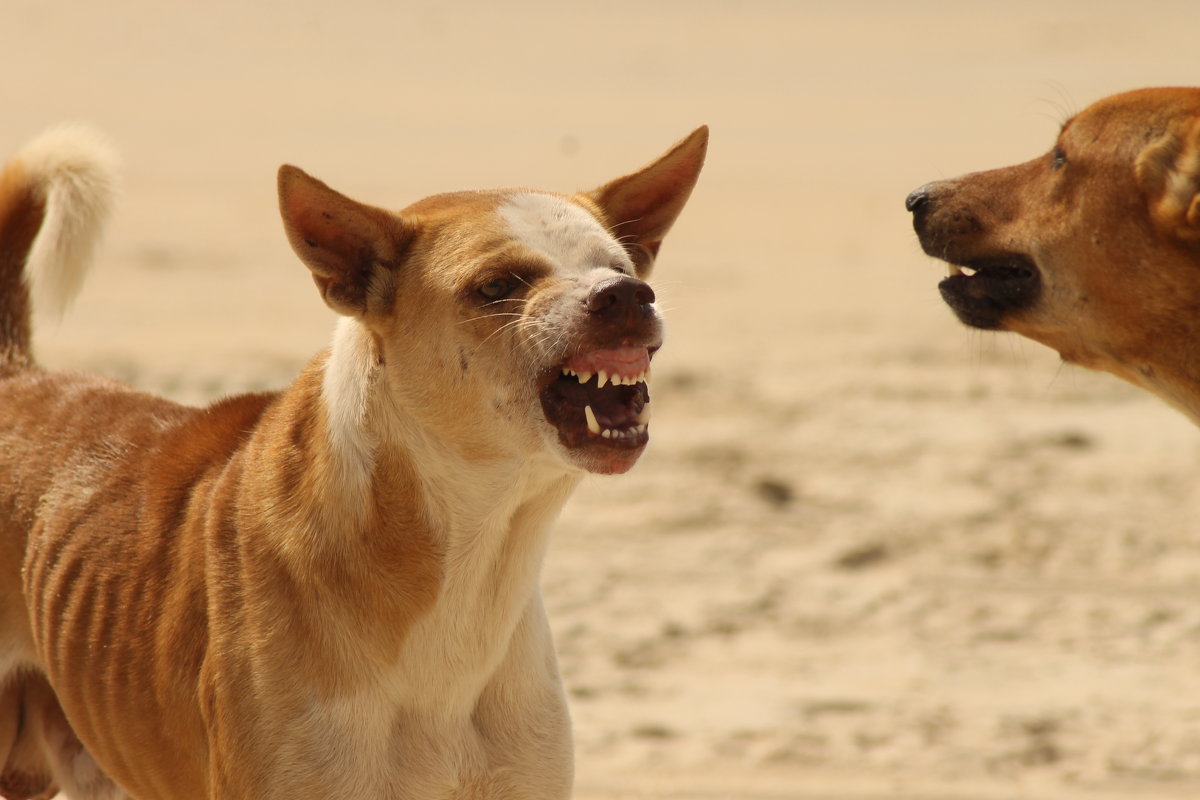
(367, 432)
(1177, 384)
(469, 535)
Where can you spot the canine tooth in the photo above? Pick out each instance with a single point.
(640, 429)
(643, 416)
(590, 416)
(603, 379)
(584, 377)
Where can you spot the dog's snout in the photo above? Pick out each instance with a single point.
(618, 296)
(918, 198)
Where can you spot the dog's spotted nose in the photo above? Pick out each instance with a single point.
(619, 296)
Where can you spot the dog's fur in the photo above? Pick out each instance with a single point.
(330, 591)
(1092, 248)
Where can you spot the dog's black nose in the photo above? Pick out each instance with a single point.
(619, 295)
(917, 198)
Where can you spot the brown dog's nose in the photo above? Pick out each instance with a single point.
(618, 296)
(918, 198)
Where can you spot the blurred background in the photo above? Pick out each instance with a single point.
(869, 553)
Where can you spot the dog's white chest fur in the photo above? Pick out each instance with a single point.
(474, 685)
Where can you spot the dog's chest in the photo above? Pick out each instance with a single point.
(429, 727)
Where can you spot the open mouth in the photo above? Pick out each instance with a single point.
(601, 399)
(982, 292)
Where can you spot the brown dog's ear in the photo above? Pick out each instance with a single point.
(1168, 171)
(640, 208)
(352, 249)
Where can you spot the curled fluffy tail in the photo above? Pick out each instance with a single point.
(54, 199)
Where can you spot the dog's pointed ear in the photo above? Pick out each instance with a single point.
(641, 207)
(352, 249)
(1168, 171)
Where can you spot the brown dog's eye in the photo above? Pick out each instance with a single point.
(497, 289)
(1059, 160)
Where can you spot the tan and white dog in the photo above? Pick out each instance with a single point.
(330, 591)
(1092, 248)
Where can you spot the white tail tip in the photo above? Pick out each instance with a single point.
(75, 171)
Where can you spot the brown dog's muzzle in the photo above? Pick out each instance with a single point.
(959, 222)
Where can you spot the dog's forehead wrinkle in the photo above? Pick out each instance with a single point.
(565, 233)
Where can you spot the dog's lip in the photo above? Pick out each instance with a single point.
(622, 365)
(985, 291)
(628, 363)
(1017, 265)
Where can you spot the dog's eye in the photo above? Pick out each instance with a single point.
(496, 289)
(1059, 159)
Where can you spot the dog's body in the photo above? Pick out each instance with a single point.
(1093, 248)
(330, 591)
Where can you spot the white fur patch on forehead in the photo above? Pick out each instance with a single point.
(561, 231)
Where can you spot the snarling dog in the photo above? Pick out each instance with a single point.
(329, 591)
(1092, 248)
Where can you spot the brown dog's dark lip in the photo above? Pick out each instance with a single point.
(995, 287)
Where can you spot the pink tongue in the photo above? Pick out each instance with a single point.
(628, 362)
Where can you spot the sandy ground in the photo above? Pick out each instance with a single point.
(869, 554)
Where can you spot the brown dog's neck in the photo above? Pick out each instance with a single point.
(1176, 383)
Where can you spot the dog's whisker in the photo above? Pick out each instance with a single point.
(497, 315)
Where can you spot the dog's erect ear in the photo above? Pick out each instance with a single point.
(1168, 171)
(641, 207)
(352, 249)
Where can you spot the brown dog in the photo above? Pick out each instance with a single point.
(330, 591)
(1092, 248)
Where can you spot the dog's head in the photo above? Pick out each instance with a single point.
(511, 320)
(1092, 248)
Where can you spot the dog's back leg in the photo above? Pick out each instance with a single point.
(44, 755)
(24, 770)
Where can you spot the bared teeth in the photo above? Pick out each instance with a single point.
(643, 416)
(628, 433)
(592, 425)
(603, 378)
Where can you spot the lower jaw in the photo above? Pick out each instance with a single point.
(603, 459)
(987, 310)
